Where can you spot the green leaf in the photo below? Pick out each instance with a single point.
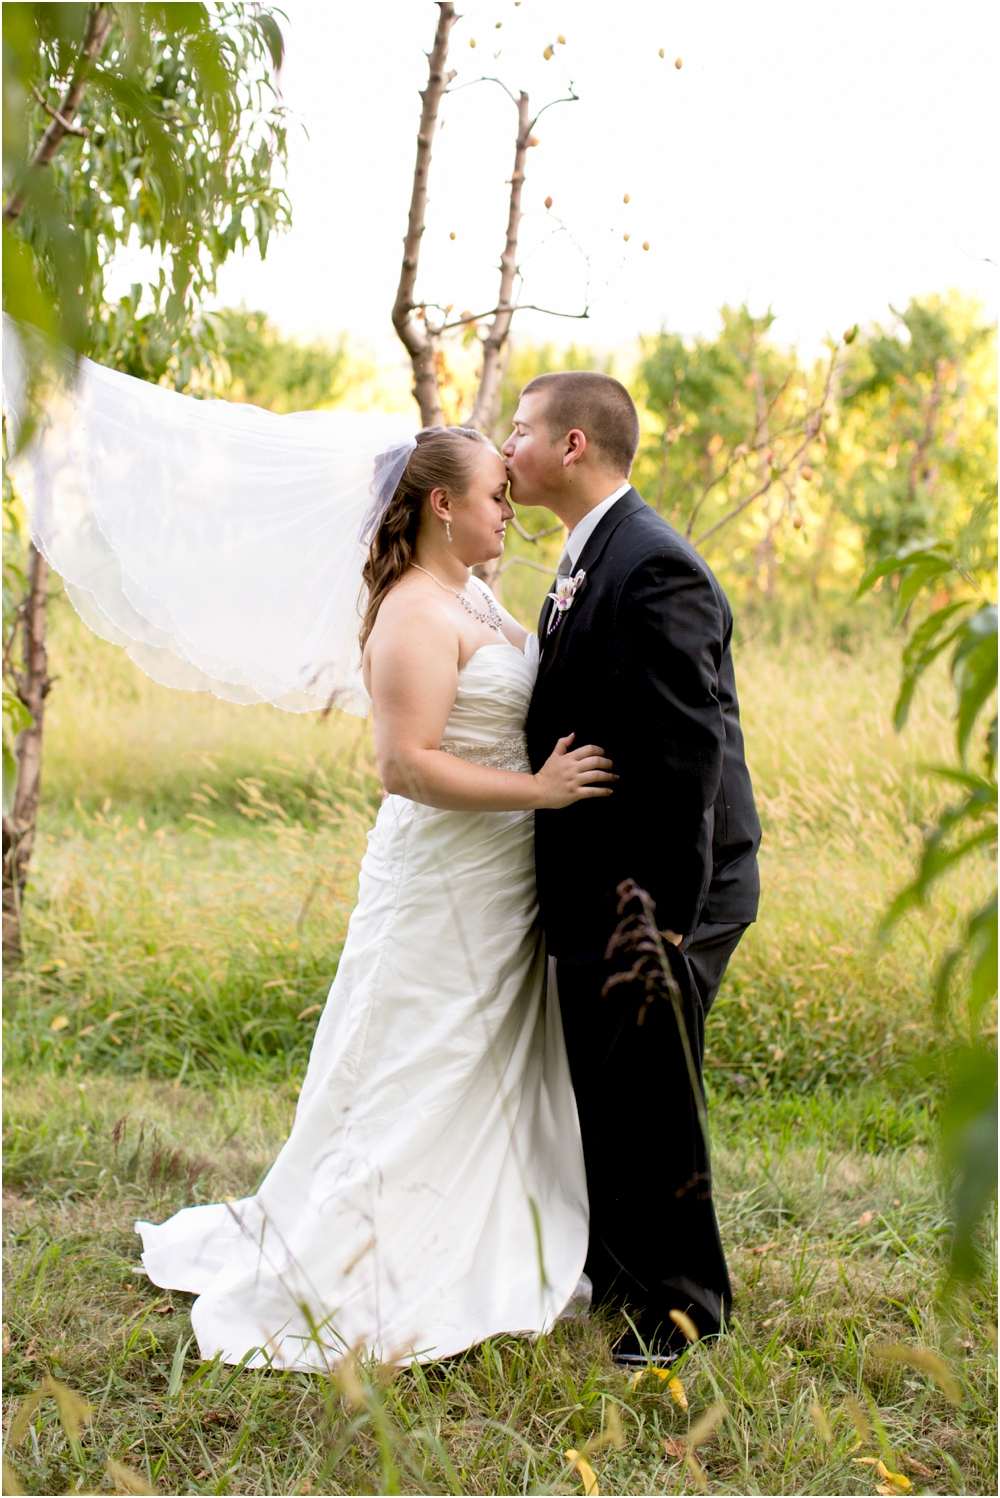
(974, 670)
(904, 559)
(916, 664)
(982, 790)
(982, 942)
(926, 632)
(9, 779)
(969, 1149)
(936, 861)
(177, 1369)
(271, 32)
(24, 297)
(16, 716)
(917, 577)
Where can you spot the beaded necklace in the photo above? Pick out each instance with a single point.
(492, 616)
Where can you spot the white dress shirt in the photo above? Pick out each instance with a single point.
(585, 528)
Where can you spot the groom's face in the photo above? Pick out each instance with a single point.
(534, 461)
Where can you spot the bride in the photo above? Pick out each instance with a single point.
(432, 1190)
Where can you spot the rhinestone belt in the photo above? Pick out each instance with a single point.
(510, 753)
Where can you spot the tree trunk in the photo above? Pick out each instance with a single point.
(487, 407)
(33, 682)
(33, 685)
(415, 339)
(61, 123)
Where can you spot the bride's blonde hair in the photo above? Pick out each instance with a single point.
(442, 459)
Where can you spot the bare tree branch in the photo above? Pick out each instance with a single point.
(550, 530)
(60, 125)
(473, 317)
(571, 98)
(471, 83)
(756, 443)
(417, 341)
(69, 129)
(811, 428)
(525, 562)
(487, 406)
(530, 307)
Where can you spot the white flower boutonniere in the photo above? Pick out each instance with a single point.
(562, 597)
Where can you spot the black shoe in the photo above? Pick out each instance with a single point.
(629, 1352)
(640, 1360)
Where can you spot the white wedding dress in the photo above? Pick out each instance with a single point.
(432, 1190)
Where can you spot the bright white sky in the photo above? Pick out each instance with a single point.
(826, 157)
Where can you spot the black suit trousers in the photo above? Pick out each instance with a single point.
(654, 1239)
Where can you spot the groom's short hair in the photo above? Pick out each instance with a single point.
(596, 404)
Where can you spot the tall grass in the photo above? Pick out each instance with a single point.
(197, 865)
(195, 872)
(834, 1251)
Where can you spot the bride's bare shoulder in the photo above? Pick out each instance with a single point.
(408, 603)
(411, 621)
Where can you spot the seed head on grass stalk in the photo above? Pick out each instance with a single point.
(924, 1360)
(638, 933)
(126, 1480)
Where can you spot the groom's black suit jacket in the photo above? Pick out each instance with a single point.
(640, 664)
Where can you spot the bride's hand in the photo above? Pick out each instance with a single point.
(573, 775)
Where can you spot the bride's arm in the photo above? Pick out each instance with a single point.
(413, 664)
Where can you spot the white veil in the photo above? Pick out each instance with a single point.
(220, 544)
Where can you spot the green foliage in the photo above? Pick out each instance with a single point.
(962, 832)
(918, 425)
(247, 359)
(792, 482)
(526, 360)
(178, 138)
(739, 434)
(183, 136)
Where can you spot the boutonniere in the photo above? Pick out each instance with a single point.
(562, 597)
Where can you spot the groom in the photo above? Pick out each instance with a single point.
(635, 657)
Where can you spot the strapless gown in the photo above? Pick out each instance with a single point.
(432, 1190)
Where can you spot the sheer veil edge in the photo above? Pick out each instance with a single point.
(219, 544)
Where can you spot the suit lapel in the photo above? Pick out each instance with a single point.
(619, 511)
(589, 558)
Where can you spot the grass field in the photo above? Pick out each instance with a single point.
(189, 899)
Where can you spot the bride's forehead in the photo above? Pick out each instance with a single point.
(491, 466)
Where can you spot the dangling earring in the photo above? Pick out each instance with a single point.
(447, 529)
